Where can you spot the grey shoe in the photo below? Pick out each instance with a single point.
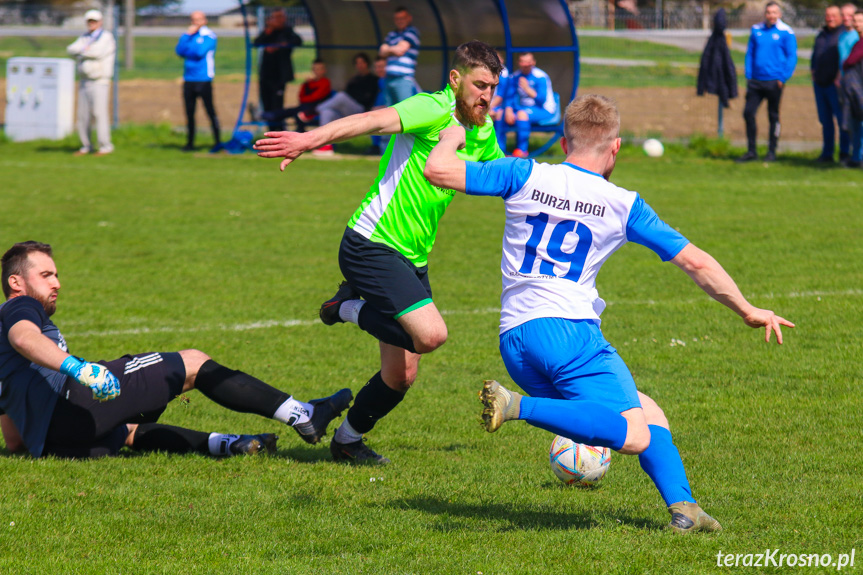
(326, 410)
(253, 444)
(687, 517)
(356, 453)
(499, 405)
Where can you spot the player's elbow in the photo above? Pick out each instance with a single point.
(434, 171)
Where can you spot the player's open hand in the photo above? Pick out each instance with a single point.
(456, 134)
(288, 145)
(769, 321)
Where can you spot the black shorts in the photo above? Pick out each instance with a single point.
(383, 276)
(84, 427)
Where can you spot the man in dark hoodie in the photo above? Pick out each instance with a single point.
(825, 72)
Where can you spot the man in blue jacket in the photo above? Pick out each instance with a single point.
(198, 48)
(770, 61)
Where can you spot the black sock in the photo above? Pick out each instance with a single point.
(384, 328)
(238, 391)
(373, 402)
(158, 437)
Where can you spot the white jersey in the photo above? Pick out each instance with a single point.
(562, 224)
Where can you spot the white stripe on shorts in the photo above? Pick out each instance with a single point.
(142, 362)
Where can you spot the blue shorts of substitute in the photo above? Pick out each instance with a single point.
(568, 359)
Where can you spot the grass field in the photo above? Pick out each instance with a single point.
(158, 250)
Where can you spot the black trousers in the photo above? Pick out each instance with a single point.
(191, 92)
(273, 100)
(756, 91)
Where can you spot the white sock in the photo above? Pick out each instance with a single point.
(347, 434)
(220, 443)
(294, 412)
(350, 310)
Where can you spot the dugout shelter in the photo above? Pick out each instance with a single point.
(545, 27)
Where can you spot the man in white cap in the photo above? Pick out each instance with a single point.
(94, 52)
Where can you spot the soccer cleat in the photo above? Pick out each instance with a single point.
(687, 517)
(356, 453)
(747, 157)
(519, 153)
(326, 410)
(330, 308)
(500, 404)
(770, 157)
(325, 150)
(252, 444)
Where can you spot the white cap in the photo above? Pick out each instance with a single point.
(93, 15)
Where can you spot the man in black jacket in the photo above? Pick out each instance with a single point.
(278, 41)
(825, 72)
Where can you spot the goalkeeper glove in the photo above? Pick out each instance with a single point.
(95, 376)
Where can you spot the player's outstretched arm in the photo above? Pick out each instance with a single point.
(27, 339)
(706, 272)
(291, 145)
(443, 168)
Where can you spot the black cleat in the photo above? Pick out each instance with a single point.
(356, 453)
(749, 156)
(330, 308)
(770, 157)
(326, 410)
(253, 444)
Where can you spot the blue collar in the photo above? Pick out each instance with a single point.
(582, 169)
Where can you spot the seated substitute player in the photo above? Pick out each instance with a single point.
(531, 101)
(384, 251)
(52, 403)
(562, 223)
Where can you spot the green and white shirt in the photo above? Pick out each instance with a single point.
(402, 208)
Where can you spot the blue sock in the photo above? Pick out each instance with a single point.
(522, 133)
(582, 421)
(661, 461)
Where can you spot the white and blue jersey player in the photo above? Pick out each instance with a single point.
(562, 223)
(531, 101)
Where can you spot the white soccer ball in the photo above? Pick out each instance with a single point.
(578, 464)
(653, 148)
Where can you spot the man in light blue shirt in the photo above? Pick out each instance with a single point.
(197, 47)
(770, 61)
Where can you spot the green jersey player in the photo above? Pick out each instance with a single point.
(384, 250)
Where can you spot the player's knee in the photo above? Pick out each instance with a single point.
(637, 441)
(430, 341)
(522, 116)
(193, 359)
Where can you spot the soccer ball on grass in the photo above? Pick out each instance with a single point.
(578, 464)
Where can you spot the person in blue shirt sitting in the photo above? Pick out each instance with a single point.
(532, 101)
(197, 47)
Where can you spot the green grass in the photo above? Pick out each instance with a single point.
(158, 250)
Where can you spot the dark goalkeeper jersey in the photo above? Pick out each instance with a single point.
(28, 392)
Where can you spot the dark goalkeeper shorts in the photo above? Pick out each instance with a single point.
(383, 276)
(84, 427)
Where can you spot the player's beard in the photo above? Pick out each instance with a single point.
(49, 306)
(470, 115)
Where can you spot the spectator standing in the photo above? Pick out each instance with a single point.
(359, 96)
(770, 61)
(94, 53)
(312, 92)
(846, 42)
(532, 101)
(401, 49)
(278, 41)
(852, 92)
(825, 75)
(197, 47)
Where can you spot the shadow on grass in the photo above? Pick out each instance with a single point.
(510, 517)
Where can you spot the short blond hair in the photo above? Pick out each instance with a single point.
(591, 124)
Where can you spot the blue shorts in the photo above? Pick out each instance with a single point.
(537, 114)
(568, 359)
